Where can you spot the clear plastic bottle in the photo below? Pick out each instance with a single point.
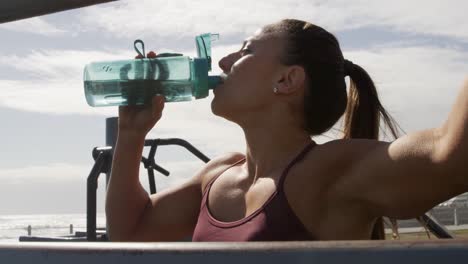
(136, 81)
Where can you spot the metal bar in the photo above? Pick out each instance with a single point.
(21, 9)
(435, 227)
(152, 182)
(180, 142)
(91, 190)
(98, 150)
(152, 151)
(150, 163)
(160, 169)
(332, 252)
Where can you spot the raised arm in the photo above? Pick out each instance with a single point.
(409, 176)
(126, 199)
(134, 215)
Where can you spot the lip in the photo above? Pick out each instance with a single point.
(215, 90)
(223, 81)
(223, 77)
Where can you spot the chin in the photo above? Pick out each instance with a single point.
(214, 106)
(221, 110)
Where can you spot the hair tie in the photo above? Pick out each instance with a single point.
(348, 67)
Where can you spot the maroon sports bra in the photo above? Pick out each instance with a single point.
(274, 221)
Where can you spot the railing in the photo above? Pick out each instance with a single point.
(337, 252)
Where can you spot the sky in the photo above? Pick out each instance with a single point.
(416, 52)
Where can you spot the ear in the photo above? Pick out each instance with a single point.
(291, 80)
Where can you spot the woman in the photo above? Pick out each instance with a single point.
(286, 84)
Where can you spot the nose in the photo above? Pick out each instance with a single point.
(227, 61)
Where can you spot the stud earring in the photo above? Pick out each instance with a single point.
(275, 89)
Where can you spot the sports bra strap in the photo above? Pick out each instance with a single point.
(297, 159)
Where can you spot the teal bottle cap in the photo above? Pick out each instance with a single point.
(202, 65)
(203, 43)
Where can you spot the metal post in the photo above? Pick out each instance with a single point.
(455, 216)
(91, 196)
(112, 124)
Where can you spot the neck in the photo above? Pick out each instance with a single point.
(271, 145)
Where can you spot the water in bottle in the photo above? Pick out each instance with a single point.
(136, 81)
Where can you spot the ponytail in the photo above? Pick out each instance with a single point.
(362, 117)
(364, 110)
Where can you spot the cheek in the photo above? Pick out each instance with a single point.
(235, 102)
(252, 82)
(248, 88)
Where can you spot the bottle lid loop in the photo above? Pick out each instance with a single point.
(142, 52)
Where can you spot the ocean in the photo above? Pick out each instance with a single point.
(14, 226)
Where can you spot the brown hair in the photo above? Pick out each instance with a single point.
(326, 100)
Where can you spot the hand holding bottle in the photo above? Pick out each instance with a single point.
(141, 118)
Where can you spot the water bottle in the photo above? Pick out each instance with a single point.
(136, 81)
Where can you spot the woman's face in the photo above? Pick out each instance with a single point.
(250, 75)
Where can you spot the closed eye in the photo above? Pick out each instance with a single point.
(245, 51)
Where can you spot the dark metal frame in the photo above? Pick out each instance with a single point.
(21, 9)
(436, 228)
(103, 164)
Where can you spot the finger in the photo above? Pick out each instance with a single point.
(122, 108)
(157, 104)
(139, 56)
(160, 98)
(159, 101)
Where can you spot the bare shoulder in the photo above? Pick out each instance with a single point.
(343, 165)
(351, 148)
(336, 159)
(216, 166)
(313, 188)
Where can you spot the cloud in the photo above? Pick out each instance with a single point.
(430, 17)
(418, 84)
(61, 188)
(411, 80)
(56, 174)
(59, 64)
(183, 18)
(33, 26)
(51, 80)
(174, 18)
(45, 174)
(58, 97)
